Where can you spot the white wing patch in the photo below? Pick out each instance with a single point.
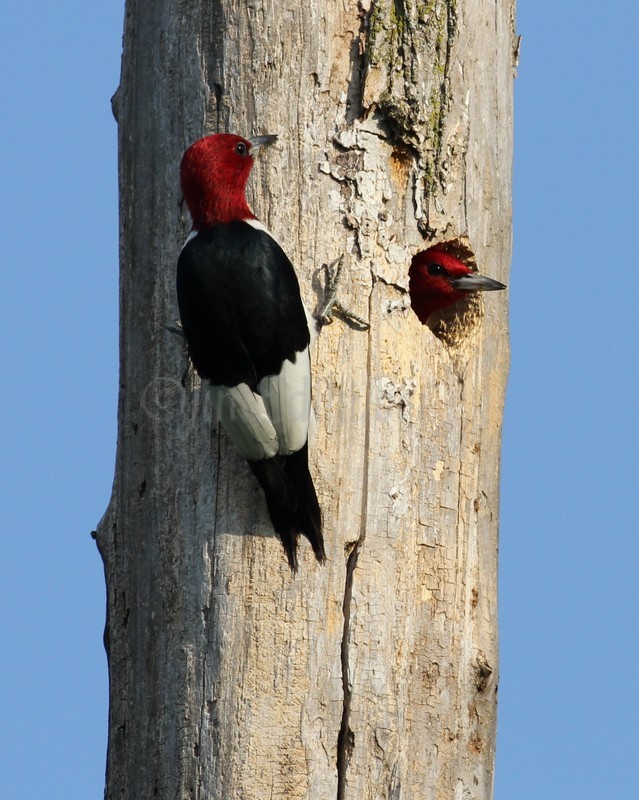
(244, 417)
(191, 235)
(287, 398)
(277, 419)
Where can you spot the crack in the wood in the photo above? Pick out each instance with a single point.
(444, 99)
(356, 83)
(346, 736)
(211, 46)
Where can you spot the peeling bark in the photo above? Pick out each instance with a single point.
(374, 676)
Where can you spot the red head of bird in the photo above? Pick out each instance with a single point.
(213, 176)
(437, 279)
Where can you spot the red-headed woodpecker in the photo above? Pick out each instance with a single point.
(437, 279)
(248, 333)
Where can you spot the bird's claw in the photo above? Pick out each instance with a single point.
(176, 329)
(332, 307)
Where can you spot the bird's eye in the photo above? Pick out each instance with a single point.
(436, 269)
(240, 149)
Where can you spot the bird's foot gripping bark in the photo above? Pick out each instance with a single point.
(332, 307)
(176, 329)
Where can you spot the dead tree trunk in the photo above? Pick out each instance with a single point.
(375, 675)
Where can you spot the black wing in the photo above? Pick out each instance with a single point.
(240, 305)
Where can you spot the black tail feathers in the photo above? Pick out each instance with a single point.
(291, 502)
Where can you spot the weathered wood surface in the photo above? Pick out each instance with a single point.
(230, 677)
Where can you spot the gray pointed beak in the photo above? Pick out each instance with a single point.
(476, 283)
(259, 142)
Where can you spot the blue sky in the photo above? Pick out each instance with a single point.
(569, 555)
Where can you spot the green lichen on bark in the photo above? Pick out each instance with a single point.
(407, 51)
(386, 28)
